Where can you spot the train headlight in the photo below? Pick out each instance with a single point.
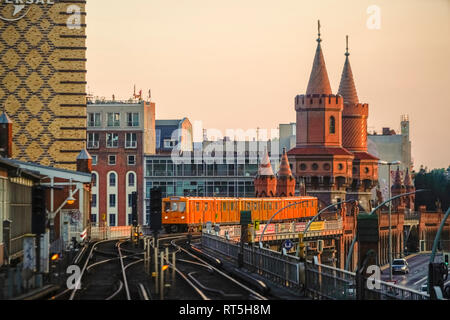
(182, 218)
(166, 217)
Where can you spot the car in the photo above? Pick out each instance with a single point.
(400, 266)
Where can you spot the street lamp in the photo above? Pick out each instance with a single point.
(389, 164)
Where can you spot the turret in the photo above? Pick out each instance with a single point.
(5, 136)
(285, 179)
(265, 182)
(84, 162)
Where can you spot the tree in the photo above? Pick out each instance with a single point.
(438, 182)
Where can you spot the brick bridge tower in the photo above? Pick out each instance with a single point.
(285, 179)
(319, 157)
(354, 139)
(409, 187)
(396, 189)
(265, 182)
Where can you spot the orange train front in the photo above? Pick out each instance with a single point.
(181, 214)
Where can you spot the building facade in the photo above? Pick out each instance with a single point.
(119, 134)
(173, 133)
(43, 86)
(390, 146)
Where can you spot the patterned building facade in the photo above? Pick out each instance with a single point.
(43, 79)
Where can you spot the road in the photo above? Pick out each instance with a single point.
(418, 272)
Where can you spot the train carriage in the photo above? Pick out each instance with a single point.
(181, 214)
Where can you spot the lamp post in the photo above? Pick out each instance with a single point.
(317, 215)
(270, 220)
(389, 164)
(350, 252)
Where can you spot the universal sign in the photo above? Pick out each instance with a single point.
(14, 10)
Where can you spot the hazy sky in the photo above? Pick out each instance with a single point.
(240, 63)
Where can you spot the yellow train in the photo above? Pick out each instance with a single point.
(181, 214)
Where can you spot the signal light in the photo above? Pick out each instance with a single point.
(165, 267)
(55, 257)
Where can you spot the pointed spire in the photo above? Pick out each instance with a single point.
(407, 181)
(265, 169)
(397, 180)
(4, 117)
(285, 168)
(318, 80)
(347, 88)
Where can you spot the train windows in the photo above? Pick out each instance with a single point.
(174, 206)
(270, 205)
(265, 205)
(197, 206)
(206, 206)
(232, 206)
(224, 206)
(166, 206)
(182, 206)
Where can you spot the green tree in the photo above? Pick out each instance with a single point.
(438, 182)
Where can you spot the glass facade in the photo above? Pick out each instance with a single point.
(198, 179)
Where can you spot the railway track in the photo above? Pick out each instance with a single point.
(104, 274)
(204, 280)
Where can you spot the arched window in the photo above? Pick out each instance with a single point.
(112, 179)
(332, 125)
(131, 178)
(94, 180)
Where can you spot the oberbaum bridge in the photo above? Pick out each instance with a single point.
(328, 254)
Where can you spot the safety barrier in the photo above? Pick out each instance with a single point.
(280, 269)
(318, 281)
(105, 233)
(326, 282)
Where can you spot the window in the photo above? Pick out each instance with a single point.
(130, 200)
(114, 119)
(169, 144)
(93, 218)
(112, 160)
(94, 120)
(93, 140)
(94, 160)
(112, 140)
(131, 140)
(112, 179)
(131, 179)
(112, 200)
(94, 201)
(130, 222)
(112, 220)
(133, 119)
(332, 125)
(94, 180)
(131, 160)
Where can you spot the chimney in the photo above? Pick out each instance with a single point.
(5, 136)
(84, 162)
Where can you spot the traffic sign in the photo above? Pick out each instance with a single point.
(288, 244)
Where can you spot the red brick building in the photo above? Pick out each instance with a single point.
(119, 134)
(331, 155)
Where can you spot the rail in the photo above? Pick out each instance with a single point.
(317, 280)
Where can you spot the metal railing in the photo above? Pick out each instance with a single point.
(318, 280)
(330, 283)
(280, 269)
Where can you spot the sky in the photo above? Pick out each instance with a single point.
(238, 64)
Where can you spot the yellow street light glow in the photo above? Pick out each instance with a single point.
(70, 200)
(55, 257)
(165, 267)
